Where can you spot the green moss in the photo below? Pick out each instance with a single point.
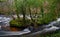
(19, 23)
(15, 23)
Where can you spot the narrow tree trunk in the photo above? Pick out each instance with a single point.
(23, 12)
(42, 10)
(17, 13)
(23, 9)
(36, 15)
(33, 21)
(30, 14)
(35, 18)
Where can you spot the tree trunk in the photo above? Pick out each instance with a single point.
(17, 13)
(33, 21)
(30, 14)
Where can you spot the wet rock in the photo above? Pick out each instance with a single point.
(31, 28)
(26, 30)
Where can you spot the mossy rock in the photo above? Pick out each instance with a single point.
(19, 23)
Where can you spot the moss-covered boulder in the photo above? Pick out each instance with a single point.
(18, 23)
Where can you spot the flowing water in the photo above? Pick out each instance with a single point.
(4, 26)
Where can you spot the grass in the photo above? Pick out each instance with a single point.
(53, 34)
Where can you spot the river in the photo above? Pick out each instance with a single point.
(5, 28)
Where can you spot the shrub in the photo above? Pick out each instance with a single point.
(47, 18)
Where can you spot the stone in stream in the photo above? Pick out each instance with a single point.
(31, 28)
(57, 22)
(0, 27)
